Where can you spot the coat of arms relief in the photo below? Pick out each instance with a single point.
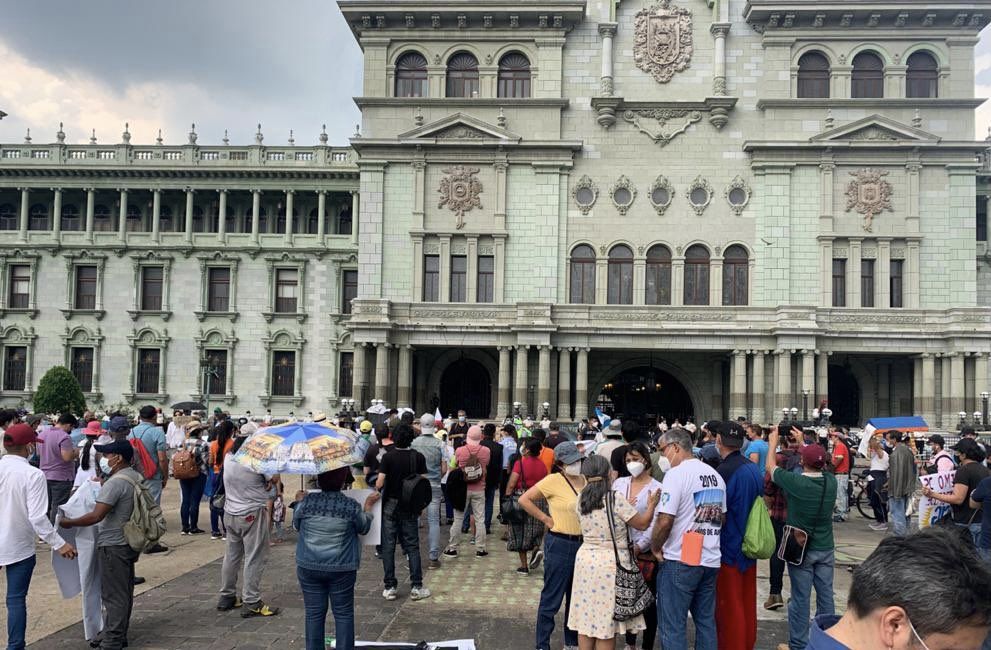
(662, 43)
(869, 194)
(460, 191)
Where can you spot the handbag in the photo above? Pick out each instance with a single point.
(509, 505)
(648, 568)
(633, 597)
(794, 540)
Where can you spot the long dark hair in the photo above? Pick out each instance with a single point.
(84, 461)
(596, 471)
(224, 432)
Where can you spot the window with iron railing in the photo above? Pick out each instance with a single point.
(15, 367)
(81, 365)
(149, 365)
(283, 373)
(346, 376)
(349, 289)
(217, 372)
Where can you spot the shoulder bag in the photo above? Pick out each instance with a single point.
(633, 597)
(794, 540)
(509, 506)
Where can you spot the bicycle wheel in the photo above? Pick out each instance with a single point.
(863, 503)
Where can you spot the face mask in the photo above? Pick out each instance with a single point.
(664, 464)
(574, 469)
(462, 418)
(635, 469)
(105, 466)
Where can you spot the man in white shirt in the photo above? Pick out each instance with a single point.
(686, 540)
(24, 511)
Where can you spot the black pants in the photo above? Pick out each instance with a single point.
(117, 584)
(777, 566)
(58, 493)
(649, 619)
(879, 497)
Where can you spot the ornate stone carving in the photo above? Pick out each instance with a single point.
(662, 44)
(460, 131)
(719, 86)
(873, 133)
(460, 191)
(819, 20)
(695, 198)
(869, 194)
(585, 193)
(606, 88)
(737, 194)
(653, 123)
(623, 193)
(661, 194)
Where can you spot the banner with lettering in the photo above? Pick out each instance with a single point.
(930, 510)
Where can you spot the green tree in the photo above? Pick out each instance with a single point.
(59, 392)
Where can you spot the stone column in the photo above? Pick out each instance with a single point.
(719, 32)
(358, 382)
(256, 206)
(403, 392)
(289, 219)
(156, 215)
(122, 215)
(543, 378)
(738, 384)
(90, 208)
(581, 385)
(882, 288)
(520, 386)
(958, 392)
(911, 285)
(564, 384)
(928, 387)
(782, 368)
(853, 274)
(321, 215)
(381, 372)
(503, 407)
(917, 385)
(826, 272)
(717, 390)
(355, 204)
(822, 377)
(607, 31)
(884, 389)
(189, 216)
(22, 234)
(759, 409)
(948, 416)
(222, 216)
(57, 212)
(678, 281)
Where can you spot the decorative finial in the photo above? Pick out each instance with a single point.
(226, 140)
(418, 117)
(192, 134)
(829, 118)
(126, 135)
(92, 138)
(323, 134)
(292, 141)
(258, 135)
(917, 119)
(60, 136)
(357, 131)
(158, 140)
(501, 120)
(27, 137)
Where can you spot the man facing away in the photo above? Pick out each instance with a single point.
(901, 481)
(432, 449)
(153, 438)
(840, 461)
(57, 460)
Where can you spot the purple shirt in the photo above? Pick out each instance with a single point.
(54, 440)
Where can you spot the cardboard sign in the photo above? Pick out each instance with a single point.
(930, 510)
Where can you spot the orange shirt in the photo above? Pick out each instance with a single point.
(218, 461)
(547, 458)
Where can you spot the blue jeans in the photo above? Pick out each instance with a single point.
(897, 507)
(154, 486)
(559, 569)
(18, 581)
(975, 532)
(433, 523)
(683, 589)
(490, 493)
(815, 571)
(192, 494)
(404, 528)
(317, 588)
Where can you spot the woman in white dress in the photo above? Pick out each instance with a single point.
(89, 459)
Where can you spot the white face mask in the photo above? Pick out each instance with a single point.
(105, 466)
(663, 464)
(574, 469)
(635, 469)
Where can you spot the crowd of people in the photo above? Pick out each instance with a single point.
(639, 531)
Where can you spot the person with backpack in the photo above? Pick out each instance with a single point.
(189, 467)
(473, 460)
(115, 505)
(405, 494)
(151, 436)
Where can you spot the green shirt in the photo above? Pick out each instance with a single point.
(808, 508)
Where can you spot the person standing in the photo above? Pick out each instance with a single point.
(432, 450)
(57, 456)
(554, 435)
(192, 487)
(153, 439)
(460, 428)
(777, 508)
(88, 457)
(246, 518)
(878, 480)
(693, 503)
(969, 475)
(980, 498)
(24, 511)
(220, 446)
(901, 481)
(613, 439)
(810, 497)
(114, 506)
(473, 460)
(757, 448)
(941, 459)
(493, 472)
(631, 433)
(525, 534)
(840, 462)
(736, 586)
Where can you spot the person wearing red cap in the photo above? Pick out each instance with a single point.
(810, 497)
(473, 460)
(24, 511)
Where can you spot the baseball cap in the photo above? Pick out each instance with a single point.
(365, 426)
(936, 439)
(813, 456)
(967, 430)
(965, 445)
(119, 423)
(567, 453)
(147, 412)
(427, 422)
(19, 434)
(120, 447)
(728, 429)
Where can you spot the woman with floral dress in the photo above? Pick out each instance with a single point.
(593, 596)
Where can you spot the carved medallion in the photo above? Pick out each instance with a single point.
(869, 194)
(460, 191)
(662, 44)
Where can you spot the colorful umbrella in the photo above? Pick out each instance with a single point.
(302, 448)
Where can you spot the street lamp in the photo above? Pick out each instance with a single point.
(805, 404)
(794, 414)
(827, 413)
(984, 408)
(977, 420)
(516, 409)
(963, 417)
(547, 409)
(210, 370)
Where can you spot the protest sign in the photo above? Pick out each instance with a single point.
(930, 510)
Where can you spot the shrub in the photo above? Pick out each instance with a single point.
(59, 392)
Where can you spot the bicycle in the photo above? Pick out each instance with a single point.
(861, 486)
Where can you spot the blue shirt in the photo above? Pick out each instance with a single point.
(758, 447)
(329, 524)
(153, 438)
(744, 484)
(982, 494)
(818, 639)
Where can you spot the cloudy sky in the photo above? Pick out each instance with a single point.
(223, 64)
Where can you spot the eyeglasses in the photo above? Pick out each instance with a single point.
(662, 449)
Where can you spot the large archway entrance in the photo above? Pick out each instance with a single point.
(645, 394)
(844, 396)
(466, 385)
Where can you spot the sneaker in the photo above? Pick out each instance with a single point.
(522, 571)
(227, 604)
(185, 531)
(878, 527)
(259, 609)
(216, 536)
(138, 580)
(196, 531)
(451, 552)
(419, 593)
(481, 553)
(535, 560)
(774, 601)
(389, 594)
(433, 564)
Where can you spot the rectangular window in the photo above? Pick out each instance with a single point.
(149, 363)
(696, 284)
(20, 287)
(283, 373)
(218, 289)
(82, 367)
(486, 279)
(215, 377)
(866, 283)
(151, 288)
(897, 283)
(431, 278)
(15, 364)
(85, 287)
(346, 376)
(658, 281)
(583, 282)
(286, 291)
(839, 283)
(982, 218)
(459, 278)
(349, 289)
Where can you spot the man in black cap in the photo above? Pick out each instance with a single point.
(970, 473)
(114, 505)
(941, 460)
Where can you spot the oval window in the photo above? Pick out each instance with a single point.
(660, 196)
(737, 196)
(699, 196)
(585, 196)
(622, 196)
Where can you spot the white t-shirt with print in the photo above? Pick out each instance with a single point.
(695, 495)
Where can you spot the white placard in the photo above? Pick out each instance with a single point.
(931, 510)
(374, 536)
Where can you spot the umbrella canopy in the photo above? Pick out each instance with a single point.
(188, 406)
(302, 448)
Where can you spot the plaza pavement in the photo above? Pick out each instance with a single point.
(479, 598)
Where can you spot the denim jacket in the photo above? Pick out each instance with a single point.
(329, 524)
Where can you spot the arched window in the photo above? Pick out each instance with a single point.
(514, 75)
(697, 276)
(411, 75)
(867, 79)
(813, 75)
(620, 287)
(658, 276)
(462, 75)
(8, 217)
(583, 275)
(736, 275)
(70, 217)
(38, 217)
(102, 219)
(922, 76)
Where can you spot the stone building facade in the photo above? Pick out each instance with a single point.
(683, 207)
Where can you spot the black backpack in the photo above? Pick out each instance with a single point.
(416, 492)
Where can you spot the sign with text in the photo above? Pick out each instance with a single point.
(930, 510)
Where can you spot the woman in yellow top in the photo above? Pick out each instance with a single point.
(561, 543)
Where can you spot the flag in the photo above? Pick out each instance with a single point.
(604, 419)
(438, 418)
